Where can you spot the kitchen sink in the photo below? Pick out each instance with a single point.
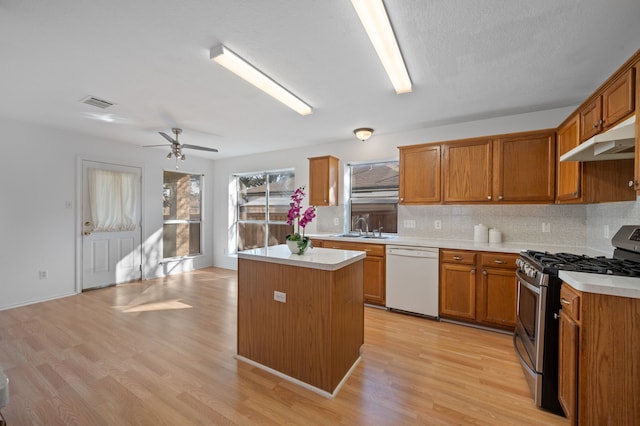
(353, 235)
(349, 235)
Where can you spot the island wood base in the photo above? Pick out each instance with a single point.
(315, 337)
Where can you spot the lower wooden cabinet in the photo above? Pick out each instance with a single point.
(374, 268)
(568, 351)
(599, 362)
(479, 288)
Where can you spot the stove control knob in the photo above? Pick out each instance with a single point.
(519, 263)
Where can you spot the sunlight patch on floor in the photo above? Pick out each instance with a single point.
(157, 306)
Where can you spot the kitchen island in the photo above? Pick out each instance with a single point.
(301, 317)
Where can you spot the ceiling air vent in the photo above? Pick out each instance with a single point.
(97, 102)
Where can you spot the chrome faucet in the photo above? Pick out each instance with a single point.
(365, 223)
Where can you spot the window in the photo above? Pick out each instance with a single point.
(182, 214)
(373, 197)
(262, 206)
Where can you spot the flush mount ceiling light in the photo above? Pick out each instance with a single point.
(376, 22)
(253, 75)
(363, 133)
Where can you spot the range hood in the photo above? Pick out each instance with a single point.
(615, 144)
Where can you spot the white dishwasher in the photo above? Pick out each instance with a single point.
(412, 279)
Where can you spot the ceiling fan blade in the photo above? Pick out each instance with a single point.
(150, 146)
(167, 137)
(201, 148)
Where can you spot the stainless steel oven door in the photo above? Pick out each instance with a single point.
(530, 318)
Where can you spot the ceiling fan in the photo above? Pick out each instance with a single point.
(176, 147)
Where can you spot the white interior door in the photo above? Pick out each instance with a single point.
(110, 257)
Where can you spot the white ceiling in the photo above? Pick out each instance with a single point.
(468, 59)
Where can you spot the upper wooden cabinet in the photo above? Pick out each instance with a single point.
(323, 181)
(525, 167)
(467, 168)
(613, 103)
(420, 174)
(569, 173)
(592, 181)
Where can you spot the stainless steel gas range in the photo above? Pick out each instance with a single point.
(536, 335)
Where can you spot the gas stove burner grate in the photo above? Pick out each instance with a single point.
(588, 264)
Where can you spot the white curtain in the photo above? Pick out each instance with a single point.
(114, 200)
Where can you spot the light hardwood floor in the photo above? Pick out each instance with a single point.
(162, 352)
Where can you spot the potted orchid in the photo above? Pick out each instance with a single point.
(297, 242)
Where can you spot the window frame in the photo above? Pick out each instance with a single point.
(189, 221)
(390, 197)
(235, 209)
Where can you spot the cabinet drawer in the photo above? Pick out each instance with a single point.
(371, 249)
(457, 256)
(570, 302)
(499, 260)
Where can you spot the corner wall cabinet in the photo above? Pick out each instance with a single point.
(599, 365)
(592, 181)
(323, 181)
(479, 288)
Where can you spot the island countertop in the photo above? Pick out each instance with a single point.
(315, 258)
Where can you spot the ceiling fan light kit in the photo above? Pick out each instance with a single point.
(376, 22)
(243, 69)
(176, 147)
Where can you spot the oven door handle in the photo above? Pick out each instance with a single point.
(523, 360)
(525, 283)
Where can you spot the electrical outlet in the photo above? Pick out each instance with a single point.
(336, 221)
(546, 227)
(279, 296)
(43, 275)
(437, 224)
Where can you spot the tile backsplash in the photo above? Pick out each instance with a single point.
(518, 223)
(591, 225)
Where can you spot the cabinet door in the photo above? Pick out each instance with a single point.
(590, 119)
(525, 168)
(323, 181)
(497, 298)
(569, 173)
(467, 171)
(374, 280)
(618, 100)
(420, 175)
(568, 366)
(458, 291)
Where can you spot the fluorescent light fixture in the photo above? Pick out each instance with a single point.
(245, 70)
(376, 22)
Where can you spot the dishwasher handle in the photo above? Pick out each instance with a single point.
(423, 252)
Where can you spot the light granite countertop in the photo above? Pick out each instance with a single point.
(591, 283)
(506, 247)
(314, 258)
(611, 285)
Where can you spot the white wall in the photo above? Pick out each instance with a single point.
(39, 232)
(381, 146)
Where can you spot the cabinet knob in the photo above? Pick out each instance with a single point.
(401, 199)
(488, 197)
(631, 183)
(457, 257)
(473, 272)
(484, 272)
(499, 197)
(499, 262)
